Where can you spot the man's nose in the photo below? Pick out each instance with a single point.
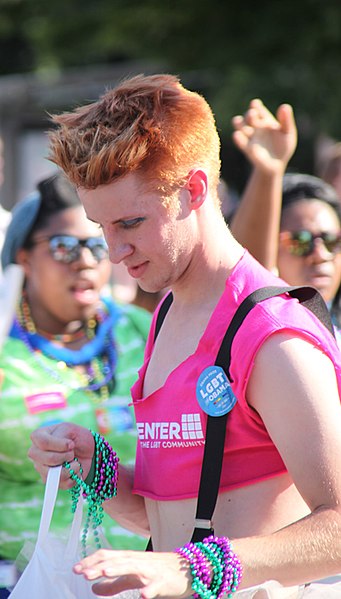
(119, 251)
(118, 246)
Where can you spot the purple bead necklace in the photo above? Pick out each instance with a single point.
(103, 486)
(215, 568)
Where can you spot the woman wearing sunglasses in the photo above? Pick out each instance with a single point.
(72, 354)
(291, 224)
(309, 250)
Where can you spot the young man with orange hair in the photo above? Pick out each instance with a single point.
(145, 161)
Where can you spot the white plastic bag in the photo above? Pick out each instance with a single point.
(269, 590)
(324, 589)
(11, 282)
(49, 574)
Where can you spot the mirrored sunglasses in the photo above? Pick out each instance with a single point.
(302, 243)
(67, 248)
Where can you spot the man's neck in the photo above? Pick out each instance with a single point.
(212, 263)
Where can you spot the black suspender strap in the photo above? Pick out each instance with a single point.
(166, 304)
(216, 425)
(307, 296)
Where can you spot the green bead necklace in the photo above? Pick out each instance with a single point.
(102, 487)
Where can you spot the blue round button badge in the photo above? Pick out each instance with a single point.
(214, 392)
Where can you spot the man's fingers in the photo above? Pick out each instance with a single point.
(95, 560)
(50, 458)
(43, 460)
(109, 587)
(155, 575)
(50, 449)
(51, 438)
(113, 565)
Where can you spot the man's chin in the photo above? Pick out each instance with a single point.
(150, 288)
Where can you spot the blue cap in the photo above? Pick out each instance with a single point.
(24, 215)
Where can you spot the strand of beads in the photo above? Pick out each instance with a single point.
(103, 370)
(26, 321)
(215, 568)
(102, 487)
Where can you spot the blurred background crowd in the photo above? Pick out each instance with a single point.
(56, 55)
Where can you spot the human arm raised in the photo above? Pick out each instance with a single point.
(56, 444)
(268, 142)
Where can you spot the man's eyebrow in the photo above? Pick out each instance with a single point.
(92, 220)
(113, 222)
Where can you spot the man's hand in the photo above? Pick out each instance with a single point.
(54, 445)
(154, 574)
(267, 141)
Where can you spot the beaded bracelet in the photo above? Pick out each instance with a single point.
(102, 487)
(215, 568)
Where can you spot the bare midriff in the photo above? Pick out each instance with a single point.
(257, 509)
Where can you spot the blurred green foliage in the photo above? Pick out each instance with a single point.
(232, 51)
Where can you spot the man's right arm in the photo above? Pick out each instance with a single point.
(126, 508)
(54, 445)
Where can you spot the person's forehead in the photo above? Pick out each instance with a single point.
(119, 199)
(71, 220)
(124, 187)
(309, 214)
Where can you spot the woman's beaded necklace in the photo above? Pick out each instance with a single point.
(98, 355)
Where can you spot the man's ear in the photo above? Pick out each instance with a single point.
(197, 187)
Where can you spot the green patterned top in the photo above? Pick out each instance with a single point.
(30, 398)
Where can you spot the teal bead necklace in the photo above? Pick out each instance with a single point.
(216, 570)
(103, 486)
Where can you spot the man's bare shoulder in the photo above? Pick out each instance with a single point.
(287, 364)
(294, 388)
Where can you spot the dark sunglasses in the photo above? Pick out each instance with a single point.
(67, 248)
(302, 243)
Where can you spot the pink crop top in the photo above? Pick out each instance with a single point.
(170, 423)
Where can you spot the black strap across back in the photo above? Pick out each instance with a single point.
(216, 425)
